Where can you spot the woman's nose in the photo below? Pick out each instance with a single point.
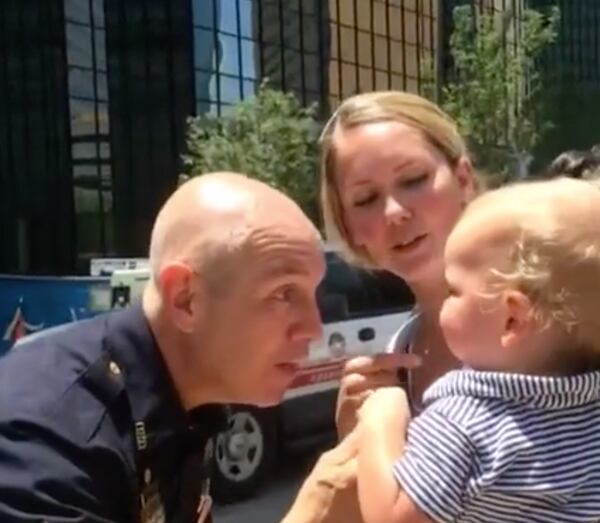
(395, 211)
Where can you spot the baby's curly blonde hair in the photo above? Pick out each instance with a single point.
(553, 255)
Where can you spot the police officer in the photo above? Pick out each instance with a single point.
(107, 420)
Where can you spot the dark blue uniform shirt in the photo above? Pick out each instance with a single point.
(91, 429)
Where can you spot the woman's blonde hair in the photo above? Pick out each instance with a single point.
(382, 106)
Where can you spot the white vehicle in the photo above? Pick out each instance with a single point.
(360, 311)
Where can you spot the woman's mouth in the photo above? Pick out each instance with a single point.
(410, 244)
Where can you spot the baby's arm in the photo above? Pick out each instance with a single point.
(419, 476)
(384, 418)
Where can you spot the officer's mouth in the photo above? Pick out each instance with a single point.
(290, 368)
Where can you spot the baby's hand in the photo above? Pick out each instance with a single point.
(386, 408)
(363, 375)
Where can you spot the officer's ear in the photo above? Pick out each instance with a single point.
(179, 288)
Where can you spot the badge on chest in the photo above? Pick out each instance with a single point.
(152, 509)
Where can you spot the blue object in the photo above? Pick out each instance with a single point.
(32, 303)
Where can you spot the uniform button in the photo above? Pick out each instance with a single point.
(114, 368)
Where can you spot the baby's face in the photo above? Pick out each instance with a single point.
(473, 318)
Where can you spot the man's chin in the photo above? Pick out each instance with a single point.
(267, 399)
(265, 404)
(270, 400)
(270, 391)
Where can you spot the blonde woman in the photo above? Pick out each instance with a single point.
(395, 177)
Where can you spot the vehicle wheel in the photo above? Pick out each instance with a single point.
(244, 455)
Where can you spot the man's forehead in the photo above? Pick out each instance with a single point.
(289, 257)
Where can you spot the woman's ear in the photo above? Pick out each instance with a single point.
(519, 319)
(463, 171)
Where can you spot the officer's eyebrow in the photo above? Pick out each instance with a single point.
(281, 268)
(286, 268)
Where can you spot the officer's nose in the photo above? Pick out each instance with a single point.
(309, 326)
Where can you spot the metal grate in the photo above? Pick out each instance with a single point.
(322, 50)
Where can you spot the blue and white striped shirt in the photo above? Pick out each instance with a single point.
(495, 447)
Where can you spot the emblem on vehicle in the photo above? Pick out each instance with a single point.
(337, 345)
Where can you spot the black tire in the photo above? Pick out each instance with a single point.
(244, 455)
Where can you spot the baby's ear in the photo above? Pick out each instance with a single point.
(519, 318)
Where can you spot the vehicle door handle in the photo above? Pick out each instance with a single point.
(366, 334)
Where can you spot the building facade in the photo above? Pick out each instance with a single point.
(95, 94)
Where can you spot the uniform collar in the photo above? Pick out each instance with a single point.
(153, 400)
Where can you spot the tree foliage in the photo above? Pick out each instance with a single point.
(495, 91)
(270, 137)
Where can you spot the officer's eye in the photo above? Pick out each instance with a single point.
(284, 293)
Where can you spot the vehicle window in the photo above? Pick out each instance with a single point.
(348, 292)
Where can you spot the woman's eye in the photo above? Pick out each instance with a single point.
(365, 200)
(415, 181)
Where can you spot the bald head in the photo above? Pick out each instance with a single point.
(215, 215)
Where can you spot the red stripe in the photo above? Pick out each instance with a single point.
(318, 373)
(323, 364)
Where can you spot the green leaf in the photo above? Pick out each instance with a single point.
(495, 90)
(270, 137)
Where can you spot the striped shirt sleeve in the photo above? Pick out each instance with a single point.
(436, 466)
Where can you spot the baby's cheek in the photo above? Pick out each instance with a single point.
(445, 316)
(449, 320)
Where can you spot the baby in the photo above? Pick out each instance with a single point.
(515, 435)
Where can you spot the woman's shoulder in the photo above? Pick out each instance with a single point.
(404, 336)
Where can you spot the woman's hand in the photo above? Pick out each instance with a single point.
(360, 377)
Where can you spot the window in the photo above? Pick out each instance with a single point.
(348, 293)
(88, 103)
(224, 52)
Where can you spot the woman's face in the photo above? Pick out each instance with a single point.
(400, 196)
